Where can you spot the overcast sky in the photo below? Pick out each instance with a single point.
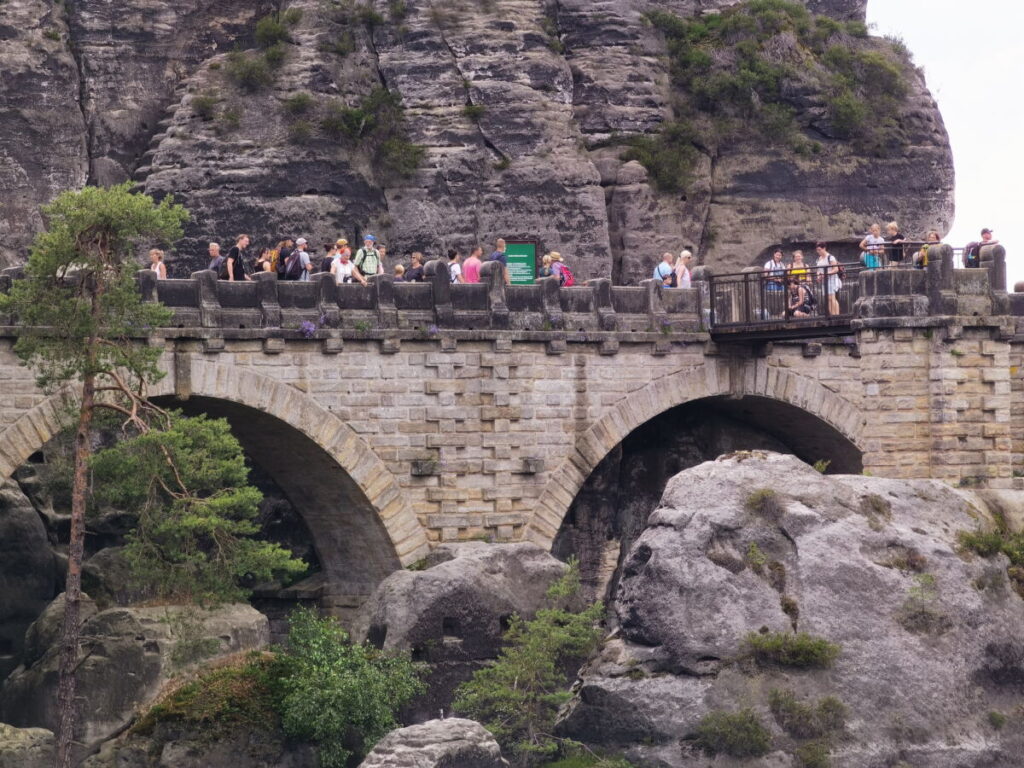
(972, 58)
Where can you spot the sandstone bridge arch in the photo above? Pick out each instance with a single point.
(821, 423)
(361, 524)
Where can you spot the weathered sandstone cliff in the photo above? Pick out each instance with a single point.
(522, 107)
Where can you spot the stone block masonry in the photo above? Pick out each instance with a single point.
(479, 411)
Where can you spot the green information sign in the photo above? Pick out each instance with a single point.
(522, 262)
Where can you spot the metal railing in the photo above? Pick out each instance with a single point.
(791, 296)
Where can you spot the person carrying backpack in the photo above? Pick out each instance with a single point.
(558, 267)
(665, 271)
(284, 250)
(368, 259)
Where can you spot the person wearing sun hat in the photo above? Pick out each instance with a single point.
(342, 245)
(368, 259)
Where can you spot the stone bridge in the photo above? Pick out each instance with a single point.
(396, 416)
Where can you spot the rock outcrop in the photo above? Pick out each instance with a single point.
(27, 572)
(452, 613)
(521, 108)
(929, 668)
(127, 656)
(25, 747)
(190, 746)
(451, 743)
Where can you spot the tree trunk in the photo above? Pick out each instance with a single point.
(69, 636)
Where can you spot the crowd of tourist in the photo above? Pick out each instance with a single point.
(292, 259)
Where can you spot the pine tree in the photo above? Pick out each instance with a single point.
(81, 315)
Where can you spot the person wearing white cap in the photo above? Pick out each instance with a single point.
(306, 266)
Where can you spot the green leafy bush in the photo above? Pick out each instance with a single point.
(669, 157)
(474, 111)
(300, 131)
(205, 105)
(248, 71)
(298, 103)
(399, 157)
(274, 55)
(737, 734)
(813, 754)
(735, 69)
(787, 649)
(517, 698)
(803, 720)
(342, 697)
(271, 30)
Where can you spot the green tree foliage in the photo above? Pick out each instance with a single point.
(81, 311)
(79, 305)
(377, 125)
(188, 483)
(738, 734)
(740, 68)
(787, 649)
(341, 696)
(517, 698)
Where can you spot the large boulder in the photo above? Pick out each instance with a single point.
(127, 656)
(451, 743)
(452, 613)
(25, 747)
(27, 572)
(930, 669)
(191, 746)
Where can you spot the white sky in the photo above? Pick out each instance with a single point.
(974, 63)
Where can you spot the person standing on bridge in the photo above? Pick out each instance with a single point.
(215, 258)
(665, 271)
(500, 257)
(368, 259)
(828, 275)
(414, 274)
(872, 248)
(156, 263)
(305, 264)
(236, 270)
(471, 266)
(683, 277)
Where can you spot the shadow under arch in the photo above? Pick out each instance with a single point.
(351, 541)
(612, 507)
(819, 422)
(352, 504)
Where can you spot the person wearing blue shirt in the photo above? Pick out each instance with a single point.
(501, 257)
(665, 271)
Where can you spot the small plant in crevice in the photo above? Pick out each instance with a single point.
(300, 131)
(298, 103)
(248, 71)
(996, 719)
(797, 650)
(877, 509)
(765, 504)
(474, 112)
(756, 559)
(204, 105)
(807, 720)
(999, 541)
(736, 734)
(921, 613)
(822, 465)
(791, 608)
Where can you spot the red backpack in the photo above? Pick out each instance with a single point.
(568, 278)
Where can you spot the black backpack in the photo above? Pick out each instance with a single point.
(293, 265)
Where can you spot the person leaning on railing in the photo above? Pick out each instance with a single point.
(872, 248)
(798, 269)
(828, 275)
(920, 256)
